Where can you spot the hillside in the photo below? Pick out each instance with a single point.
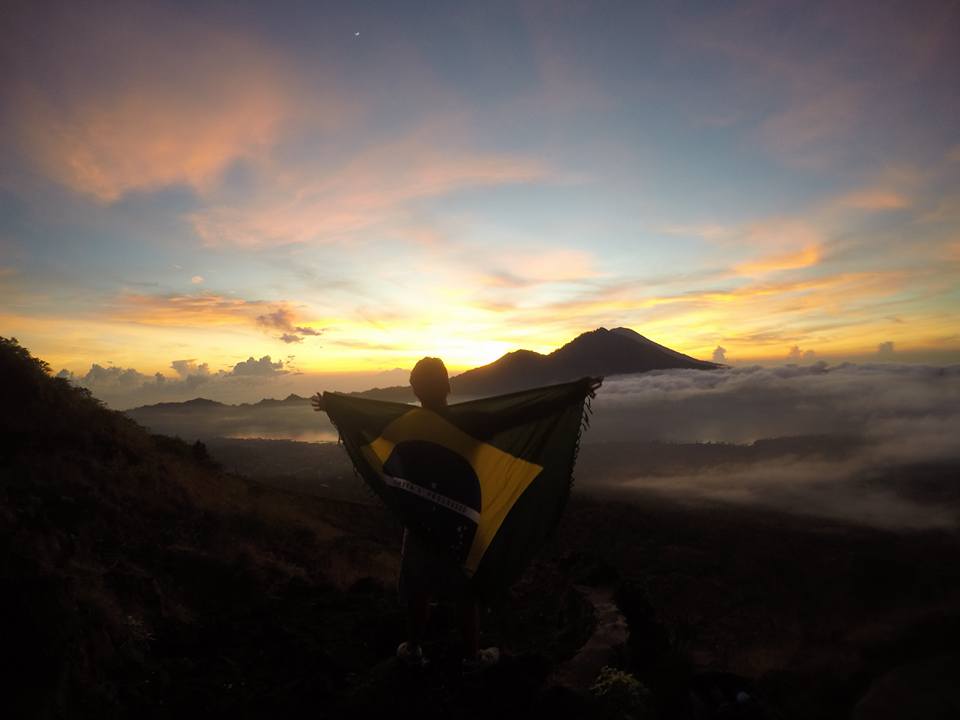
(127, 558)
(138, 579)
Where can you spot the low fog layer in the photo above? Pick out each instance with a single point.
(881, 443)
(913, 409)
(874, 444)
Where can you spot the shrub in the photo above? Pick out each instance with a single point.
(621, 695)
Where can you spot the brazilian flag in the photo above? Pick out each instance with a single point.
(483, 482)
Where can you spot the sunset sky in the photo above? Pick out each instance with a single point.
(184, 186)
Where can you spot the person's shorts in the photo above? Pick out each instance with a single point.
(426, 571)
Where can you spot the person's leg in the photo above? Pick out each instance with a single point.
(469, 611)
(418, 613)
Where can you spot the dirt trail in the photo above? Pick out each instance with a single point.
(601, 648)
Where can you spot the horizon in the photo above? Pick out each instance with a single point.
(336, 192)
(124, 389)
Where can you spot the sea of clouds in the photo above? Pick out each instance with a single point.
(902, 472)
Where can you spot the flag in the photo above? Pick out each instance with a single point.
(483, 482)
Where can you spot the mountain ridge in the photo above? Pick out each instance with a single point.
(599, 352)
(595, 353)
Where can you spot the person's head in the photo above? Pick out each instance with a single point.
(430, 382)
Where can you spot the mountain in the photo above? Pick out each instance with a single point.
(291, 399)
(200, 404)
(600, 352)
(205, 419)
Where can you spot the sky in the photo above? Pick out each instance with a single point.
(252, 190)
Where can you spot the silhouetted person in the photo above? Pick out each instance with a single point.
(426, 572)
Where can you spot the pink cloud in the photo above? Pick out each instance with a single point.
(818, 105)
(188, 99)
(372, 188)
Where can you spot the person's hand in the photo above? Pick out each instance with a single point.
(318, 404)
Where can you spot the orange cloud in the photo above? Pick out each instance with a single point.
(875, 199)
(802, 258)
(779, 244)
(200, 310)
(163, 116)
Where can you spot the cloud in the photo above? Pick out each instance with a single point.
(189, 368)
(793, 260)
(127, 387)
(720, 355)
(373, 188)
(113, 378)
(197, 279)
(206, 310)
(780, 244)
(860, 443)
(157, 118)
(820, 109)
(713, 232)
(877, 198)
(885, 350)
(743, 404)
(519, 269)
(263, 367)
(868, 429)
(187, 310)
(283, 319)
(280, 319)
(797, 355)
(115, 384)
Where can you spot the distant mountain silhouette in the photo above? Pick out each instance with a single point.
(291, 399)
(206, 405)
(195, 404)
(600, 352)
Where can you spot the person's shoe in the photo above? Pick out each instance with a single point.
(411, 655)
(488, 657)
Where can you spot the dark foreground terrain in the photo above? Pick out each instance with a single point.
(140, 579)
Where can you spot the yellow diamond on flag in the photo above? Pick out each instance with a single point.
(503, 477)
